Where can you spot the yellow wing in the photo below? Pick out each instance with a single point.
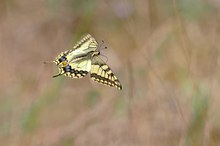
(76, 63)
(83, 58)
(87, 44)
(76, 69)
(100, 72)
(81, 49)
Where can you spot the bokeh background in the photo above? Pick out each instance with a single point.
(165, 53)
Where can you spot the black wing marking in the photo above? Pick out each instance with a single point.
(101, 72)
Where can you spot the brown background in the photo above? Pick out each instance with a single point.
(165, 53)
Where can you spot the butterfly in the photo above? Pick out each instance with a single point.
(84, 58)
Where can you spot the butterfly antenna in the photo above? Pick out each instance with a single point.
(101, 44)
(102, 48)
(48, 62)
(105, 57)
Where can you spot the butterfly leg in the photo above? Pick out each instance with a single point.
(57, 75)
(61, 72)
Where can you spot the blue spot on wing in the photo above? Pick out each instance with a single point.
(63, 58)
(67, 68)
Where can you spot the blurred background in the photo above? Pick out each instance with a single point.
(165, 53)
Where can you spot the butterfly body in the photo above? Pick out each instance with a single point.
(82, 59)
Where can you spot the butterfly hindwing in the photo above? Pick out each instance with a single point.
(79, 68)
(101, 72)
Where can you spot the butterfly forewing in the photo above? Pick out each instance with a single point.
(86, 44)
(81, 49)
(102, 73)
